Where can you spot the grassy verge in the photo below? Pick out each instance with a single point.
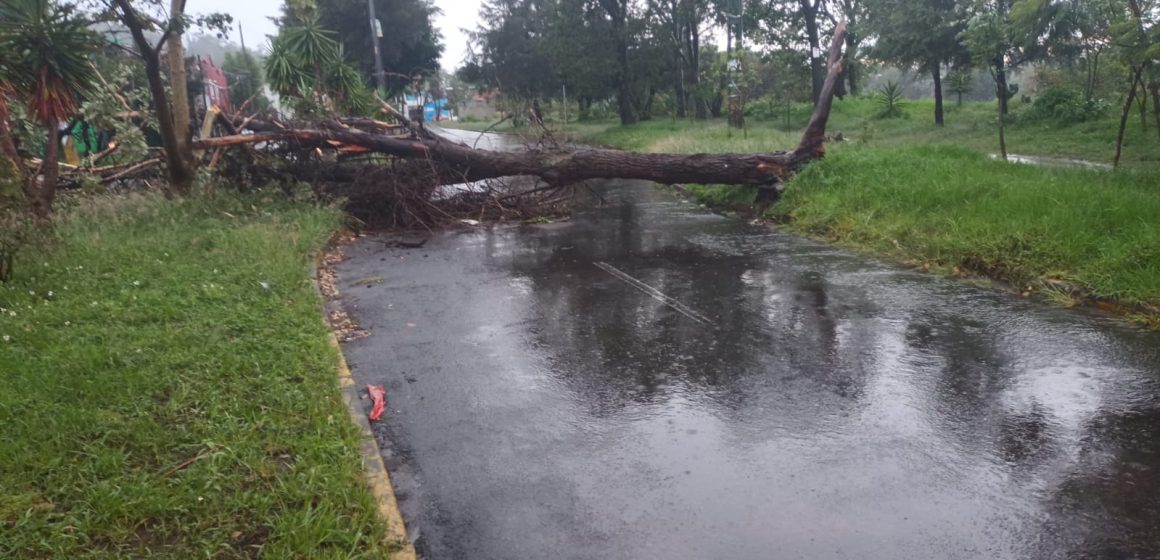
(169, 391)
(951, 207)
(972, 125)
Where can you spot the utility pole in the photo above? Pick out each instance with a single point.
(376, 34)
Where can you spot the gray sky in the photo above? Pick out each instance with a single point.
(254, 16)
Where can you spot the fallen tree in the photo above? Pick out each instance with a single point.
(452, 162)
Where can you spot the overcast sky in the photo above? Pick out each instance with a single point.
(254, 16)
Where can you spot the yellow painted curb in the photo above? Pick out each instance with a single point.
(377, 477)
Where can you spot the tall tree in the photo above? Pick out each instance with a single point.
(143, 18)
(513, 51)
(618, 14)
(680, 24)
(410, 45)
(919, 34)
(246, 79)
(48, 45)
(579, 50)
(810, 12)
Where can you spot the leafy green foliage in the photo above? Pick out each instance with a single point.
(306, 64)
(1067, 104)
(246, 79)
(410, 44)
(960, 82)
(889, 99)
(48, 45)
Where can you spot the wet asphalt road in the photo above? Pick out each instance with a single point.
(654, 381)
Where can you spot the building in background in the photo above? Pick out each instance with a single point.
(216, 90)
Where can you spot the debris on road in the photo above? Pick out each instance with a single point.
(378, 401)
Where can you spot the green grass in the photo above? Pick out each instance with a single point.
(948, 206)
(973, 125)
(169, 392)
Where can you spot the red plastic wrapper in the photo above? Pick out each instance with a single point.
(378, 401)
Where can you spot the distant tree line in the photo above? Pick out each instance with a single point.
(660, 57)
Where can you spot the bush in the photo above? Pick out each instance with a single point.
(1065, 104)
(889, 99)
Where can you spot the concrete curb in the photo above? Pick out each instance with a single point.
(375, 471)
(378, 479)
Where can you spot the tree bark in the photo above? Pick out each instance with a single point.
(178, 86)
(1127, 111)
(180, 169)
(1001, 89)
(936, 73)
(8, 147)
(43, 196)
(851, 64)
(618, 12)
(1154, 87)
(458, 163)
(809, 12)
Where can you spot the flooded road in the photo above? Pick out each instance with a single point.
(651, 380)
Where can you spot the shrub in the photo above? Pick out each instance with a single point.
(1066, 104)
(889, 99)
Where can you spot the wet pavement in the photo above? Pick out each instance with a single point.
(651, 380)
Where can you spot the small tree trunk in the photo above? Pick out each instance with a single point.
(809, 12)
(1002, 135)
(851, 66)
(1142, 104)
(1124, 116)
(936, 73)
(1001, 89)
(1154, 87)
(41, 201)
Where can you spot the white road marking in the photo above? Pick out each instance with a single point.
(654, 293)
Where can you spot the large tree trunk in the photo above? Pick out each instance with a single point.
(179, 88)
(180, 169)
(458, 163)
(936, 73)
(618, 12)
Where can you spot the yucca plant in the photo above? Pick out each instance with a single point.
(48, 46)
(889, 98)
(306, 62)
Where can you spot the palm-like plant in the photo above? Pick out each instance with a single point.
(889, 99)
(48, 46)
(306, 62)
